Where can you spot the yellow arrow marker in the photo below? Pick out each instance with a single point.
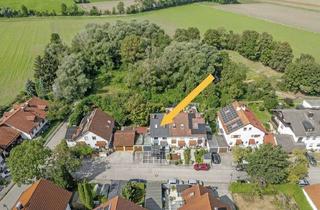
(168, 118)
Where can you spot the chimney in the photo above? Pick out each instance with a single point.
(19, 206)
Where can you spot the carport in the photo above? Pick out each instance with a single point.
(218, 144)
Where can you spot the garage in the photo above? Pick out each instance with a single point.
(119, 148)
(218, 144)
(124, 140)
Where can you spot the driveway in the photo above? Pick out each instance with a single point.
(57, 136)
(314, 175)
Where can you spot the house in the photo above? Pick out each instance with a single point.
(9, 137)
(200, 197)
(288, 144)
(302, 124)
(188, 129)
(43, 194)
(119, 203)
(312, 193)
(239, 126)
(95, 130)
(129, 139)
(311, 104)
(28, 118)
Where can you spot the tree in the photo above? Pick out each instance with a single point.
(298, 167)
(133, 192)
(303, 75)
(249, 45)
(268, 164)
(58, 110)
(85, 194)
(240, 154)
(185, 35)
(216, 37)
(198, 154)
(187, 155)
(120, 7)
(64, 9)
(24, 11)
(281, 56)
(131, 49)
(63, 162)
(72, 82)
(27, 161)
(30, 88)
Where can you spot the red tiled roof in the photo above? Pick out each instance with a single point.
(43, 194)
(313, 192)
(198, 197)
(141, 130)
(27, 116)
(269, 139)
(7, 136)
(118, 203)
(124, 138)
(181, 125)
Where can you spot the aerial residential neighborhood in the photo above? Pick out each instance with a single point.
(159, 105)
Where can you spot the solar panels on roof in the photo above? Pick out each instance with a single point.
(228, 113)
(234, 125)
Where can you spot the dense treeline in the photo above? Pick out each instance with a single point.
(151, 70)
(74, 10)
(252, 45)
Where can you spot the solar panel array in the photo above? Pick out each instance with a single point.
(234, 125)
(228, 113)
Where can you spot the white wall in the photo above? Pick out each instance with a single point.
(187, 139)
(245, 133)
(312, 142)
(88, 138)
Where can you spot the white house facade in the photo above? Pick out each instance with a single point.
(302, 124)
(239, 126)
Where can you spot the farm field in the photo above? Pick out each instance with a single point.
(308, 20)
(22, 39)
(40, 5)
(105, 5)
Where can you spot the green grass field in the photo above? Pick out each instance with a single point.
(39, 5)
(22, 39)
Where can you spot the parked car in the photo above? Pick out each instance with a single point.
(303, 182)
(194, 181)
(201, 166)
(174, 181)
(311, 159)
(5, 174)
(216, 159)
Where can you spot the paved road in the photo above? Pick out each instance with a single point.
(58, 136)
(11, 197)
(314, 175)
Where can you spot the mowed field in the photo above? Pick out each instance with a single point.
(40, 5)
(22, 39)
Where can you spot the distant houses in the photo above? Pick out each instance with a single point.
(96, 130)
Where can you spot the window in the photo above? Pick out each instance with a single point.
(244, 129)
(173, 141)
(94, 138)
(311, 145)
(250, 129)
(86, 138)
(235, 136)
(318, 145)
(255, 136)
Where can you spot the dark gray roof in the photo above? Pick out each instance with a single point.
(153, 199)
(287, 143)
(70, 132)
(155, 129)
(303, 122)
(217, 141)
(182, 187)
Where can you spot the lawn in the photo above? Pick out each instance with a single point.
(39, 5)
(22, 39)
(291, 190)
